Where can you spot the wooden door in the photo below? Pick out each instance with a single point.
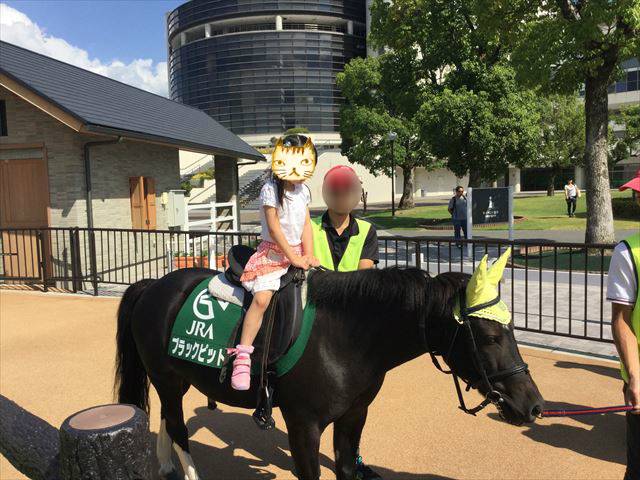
(142, 191)
(24, 202)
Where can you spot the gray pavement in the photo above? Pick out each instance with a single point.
(572, 236)
(549, 305)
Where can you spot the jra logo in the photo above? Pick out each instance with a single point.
(203, 300)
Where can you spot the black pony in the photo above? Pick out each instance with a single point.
(367, 322)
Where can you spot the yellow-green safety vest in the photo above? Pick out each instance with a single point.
(351, 257)
(633, 243)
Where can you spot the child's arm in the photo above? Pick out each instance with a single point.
(275, 231)
(307, 236)
(307, 242)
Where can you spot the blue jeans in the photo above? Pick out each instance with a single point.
(457, 225)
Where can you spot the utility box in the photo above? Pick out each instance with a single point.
(177, 210)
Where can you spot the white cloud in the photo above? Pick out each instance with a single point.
(18, 29)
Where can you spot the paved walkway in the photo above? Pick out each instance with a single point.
(539, 300)
(251, 223)
(57, 354)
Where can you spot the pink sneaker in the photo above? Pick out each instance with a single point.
(241, 376)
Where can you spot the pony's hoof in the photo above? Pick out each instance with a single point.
(170, 475)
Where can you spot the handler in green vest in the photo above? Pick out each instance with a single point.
(343, 242)
(623, 290)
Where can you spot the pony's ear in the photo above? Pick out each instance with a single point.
(497, 269)
(477, 283)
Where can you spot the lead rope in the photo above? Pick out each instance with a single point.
(586, 411)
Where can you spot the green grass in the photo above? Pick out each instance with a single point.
(564, 259)
(540, 212)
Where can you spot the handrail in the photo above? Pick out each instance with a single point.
(188, 172)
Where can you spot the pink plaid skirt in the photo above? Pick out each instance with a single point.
(270, 262)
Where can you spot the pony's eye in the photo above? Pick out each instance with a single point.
(490, 340)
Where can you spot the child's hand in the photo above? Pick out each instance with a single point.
(300, 262)
(313, 261)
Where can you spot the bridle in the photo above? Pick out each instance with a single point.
(485, 379)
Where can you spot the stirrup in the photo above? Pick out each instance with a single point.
(262, 415)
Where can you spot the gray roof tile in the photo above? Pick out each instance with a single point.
(107, 105)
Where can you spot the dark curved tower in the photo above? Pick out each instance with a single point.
(261, 67)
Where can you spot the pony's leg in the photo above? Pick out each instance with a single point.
(346, 438)
(188, 467)
(304, 442)
(170, 394)
(163, 451)
(347, 431)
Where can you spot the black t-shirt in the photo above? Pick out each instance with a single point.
(338, 243)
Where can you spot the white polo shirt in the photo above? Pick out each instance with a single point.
(622, 284)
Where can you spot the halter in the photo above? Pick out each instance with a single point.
(487, 380)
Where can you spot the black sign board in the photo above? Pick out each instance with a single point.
(490, 205)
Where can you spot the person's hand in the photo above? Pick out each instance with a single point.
(300, 262)
(632, 395)
(313, 261)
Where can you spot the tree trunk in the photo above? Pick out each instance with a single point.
(599, 213)
(551, 185)
(109, 442)
(407, 201)
(28, 442)
(474, 179)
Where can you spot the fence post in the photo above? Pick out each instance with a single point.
(93, 260)
(169, 256)
(418, 255)
(77, 260)
(42, 258)
(72, 241)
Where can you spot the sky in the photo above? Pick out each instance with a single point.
(121, 39)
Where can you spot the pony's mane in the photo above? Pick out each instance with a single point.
(380, 291)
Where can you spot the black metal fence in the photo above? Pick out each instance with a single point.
(551, 288)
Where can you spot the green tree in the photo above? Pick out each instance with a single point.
(484, 129)
(628, 144)
(561, 45)
(294, 130)
(472, 112)
(381, 96)
(562, 139)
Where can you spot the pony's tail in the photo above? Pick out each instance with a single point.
(131, 381)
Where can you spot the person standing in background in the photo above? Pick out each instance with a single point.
(571, 194)
(458, 210)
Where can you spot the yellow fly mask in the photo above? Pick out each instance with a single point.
(482, 289)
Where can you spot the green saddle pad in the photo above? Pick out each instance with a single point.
(202, 330)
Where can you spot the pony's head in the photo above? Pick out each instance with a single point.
(479, 346)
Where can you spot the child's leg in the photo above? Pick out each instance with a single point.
(241, 376)
(253, 318)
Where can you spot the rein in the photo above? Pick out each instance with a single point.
(493, 396)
